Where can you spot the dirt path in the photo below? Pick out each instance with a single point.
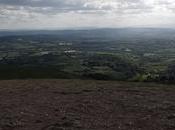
(85, 105)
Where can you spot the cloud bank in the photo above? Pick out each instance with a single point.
(18, 14)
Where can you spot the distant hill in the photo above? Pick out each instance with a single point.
(101, 33)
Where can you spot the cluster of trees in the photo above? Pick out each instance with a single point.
(104, 66)
(168, 75)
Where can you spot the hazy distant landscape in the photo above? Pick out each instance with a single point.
(127, 54)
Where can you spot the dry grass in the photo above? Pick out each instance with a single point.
(85, 105)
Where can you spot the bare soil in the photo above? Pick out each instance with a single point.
(85, 105)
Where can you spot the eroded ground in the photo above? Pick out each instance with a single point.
(85, 105)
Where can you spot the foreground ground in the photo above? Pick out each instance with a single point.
(85, 105)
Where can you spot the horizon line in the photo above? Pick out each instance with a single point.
(83, 28)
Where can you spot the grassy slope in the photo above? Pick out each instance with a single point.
(85, 105)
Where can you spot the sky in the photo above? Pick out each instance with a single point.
(64, 14)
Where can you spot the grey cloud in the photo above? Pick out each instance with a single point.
(168, 4)
(70, 13)
(82, 6)
(59, 6)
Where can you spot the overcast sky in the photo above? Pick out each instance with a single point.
(55, 14)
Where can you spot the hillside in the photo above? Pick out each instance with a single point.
(85, 105)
